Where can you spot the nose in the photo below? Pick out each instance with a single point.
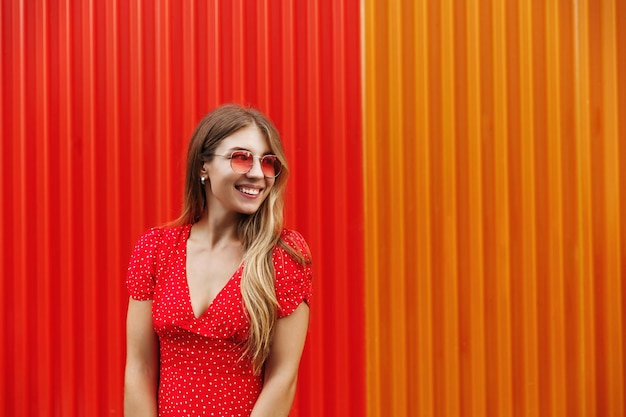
(256, 171)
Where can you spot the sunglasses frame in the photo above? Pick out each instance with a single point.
(250, 154)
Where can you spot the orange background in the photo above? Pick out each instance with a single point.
(495, 235)
(458, 170)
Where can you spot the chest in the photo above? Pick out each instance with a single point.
(218, 311)
(208, 273)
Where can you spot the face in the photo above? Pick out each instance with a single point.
(231, 192)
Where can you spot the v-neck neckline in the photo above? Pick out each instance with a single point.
(186, 282)
(215, 299)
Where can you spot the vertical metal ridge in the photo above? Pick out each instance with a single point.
(43, 217)
(524, 265)
(5, 209)
(92, 384)
(449, 226)
(374, 347)
(584, 193)
(620, 129)
(501, 282)
(612, 210)
(115, 109)
(472, 289)
(189, 66)
(394, 307)
(424, 258)
(15, 312)
(140, 116)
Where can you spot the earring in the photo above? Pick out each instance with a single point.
(202, 180)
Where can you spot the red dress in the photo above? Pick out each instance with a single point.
(201, 372)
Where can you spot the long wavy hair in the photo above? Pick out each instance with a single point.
(259, 232)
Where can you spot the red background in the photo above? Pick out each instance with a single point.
(98, 101)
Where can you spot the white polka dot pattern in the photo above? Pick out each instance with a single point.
(201, 372)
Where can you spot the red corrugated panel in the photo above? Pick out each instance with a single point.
(98, 101)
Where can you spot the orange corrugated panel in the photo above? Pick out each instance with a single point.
(494, 252)
(98, 101)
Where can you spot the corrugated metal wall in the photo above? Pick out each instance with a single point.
(495, 163)
(470, 263)
(98, 101)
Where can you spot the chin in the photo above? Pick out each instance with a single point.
(248, 210)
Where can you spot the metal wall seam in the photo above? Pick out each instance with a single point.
(472, 290)
(85, 50)
(585, 227)
(42, 167)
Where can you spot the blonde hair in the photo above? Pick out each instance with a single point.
(259, 232)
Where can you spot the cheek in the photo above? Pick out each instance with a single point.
(268, 190)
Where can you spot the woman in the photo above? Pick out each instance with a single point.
(216, 321)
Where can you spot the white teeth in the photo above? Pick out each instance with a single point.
(251, 191)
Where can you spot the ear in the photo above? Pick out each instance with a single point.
(204, 171)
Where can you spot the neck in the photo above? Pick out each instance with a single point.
(217, 231)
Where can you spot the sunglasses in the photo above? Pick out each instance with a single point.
(241, 162)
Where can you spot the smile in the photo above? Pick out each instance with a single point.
(249, 191)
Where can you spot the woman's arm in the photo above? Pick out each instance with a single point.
(142, 361)
(281, 367)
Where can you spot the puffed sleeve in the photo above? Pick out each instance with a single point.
(141, 274)
(293, 279)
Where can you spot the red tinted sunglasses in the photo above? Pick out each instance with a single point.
(241, 162)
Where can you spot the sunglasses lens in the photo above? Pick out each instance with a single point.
(271, 166)
(241, 162)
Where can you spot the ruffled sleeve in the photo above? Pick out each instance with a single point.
(293, 279)
(141, 274)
